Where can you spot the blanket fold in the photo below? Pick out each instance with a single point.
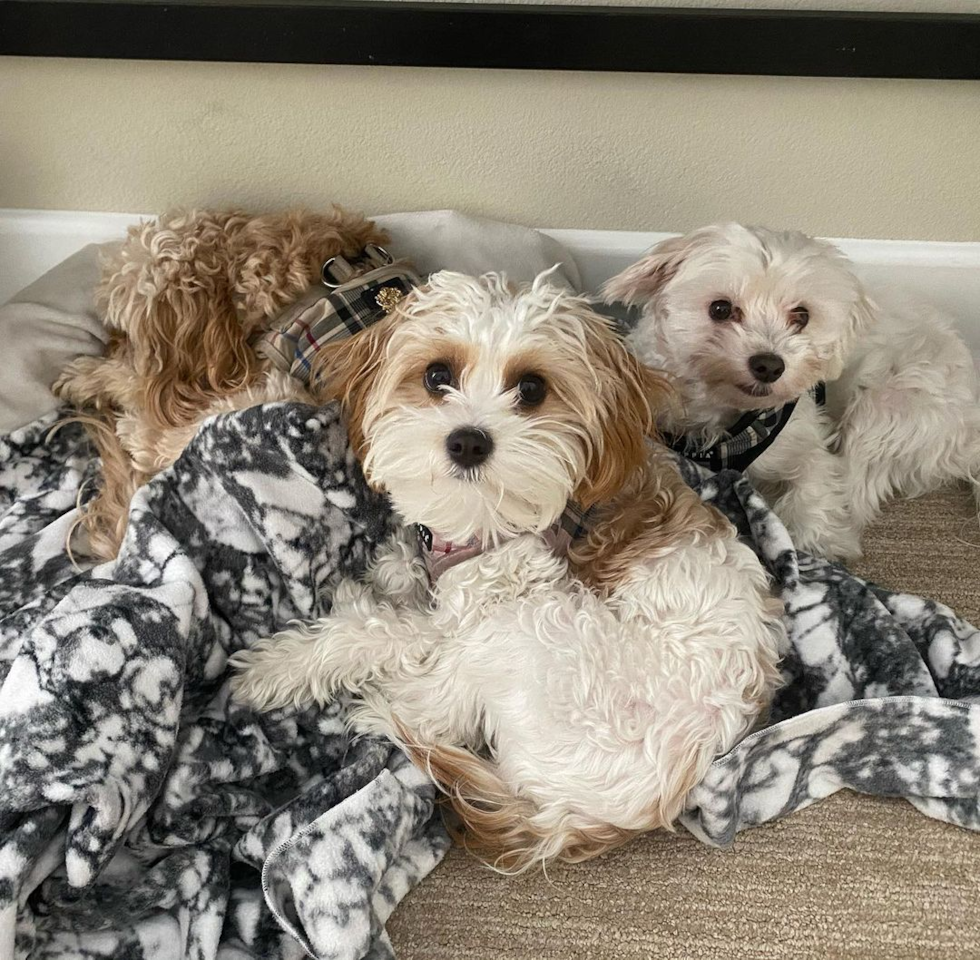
(119, 743)
(872, 699)
(143, 813)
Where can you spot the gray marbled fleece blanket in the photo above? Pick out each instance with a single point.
(143, 815)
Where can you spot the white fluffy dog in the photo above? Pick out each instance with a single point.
(746, 320)
(564, 697)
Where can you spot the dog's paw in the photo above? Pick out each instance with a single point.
(351, 597)
(269, 675)
(844, 546)
(72, 384)
(63, 387)
(848, 554)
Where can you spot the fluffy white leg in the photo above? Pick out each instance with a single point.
(346, 651)
(807, 486)
(371, 622)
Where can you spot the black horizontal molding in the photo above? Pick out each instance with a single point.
(412, 34)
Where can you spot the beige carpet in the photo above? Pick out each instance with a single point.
(852, 877)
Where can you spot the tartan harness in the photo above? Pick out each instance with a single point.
(746, 440)
(351, 297)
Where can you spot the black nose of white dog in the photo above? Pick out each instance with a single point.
(766, 367)
(469, 447)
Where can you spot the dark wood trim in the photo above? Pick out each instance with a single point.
(411, 34)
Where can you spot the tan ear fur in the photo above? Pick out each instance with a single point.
(631, 396)
(168, 290)
(651, 515)
(345, 371)
(193, 351)
(643, 280)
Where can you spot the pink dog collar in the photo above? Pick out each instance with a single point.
(440, 554)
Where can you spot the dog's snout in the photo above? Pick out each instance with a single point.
(766, 367)
(469, 447)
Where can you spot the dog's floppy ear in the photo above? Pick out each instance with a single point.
(345, 371)
(650, 274)
(863, 314)
(860, 317)
(631, 394)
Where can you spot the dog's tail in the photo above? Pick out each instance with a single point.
(105, 515)
(509, 833)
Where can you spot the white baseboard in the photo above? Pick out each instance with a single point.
(947, 274)
(33, 241)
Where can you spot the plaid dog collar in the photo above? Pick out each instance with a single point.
(745, 440)
(439, 554)
(350, 298)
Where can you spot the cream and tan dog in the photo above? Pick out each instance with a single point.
(564, 701)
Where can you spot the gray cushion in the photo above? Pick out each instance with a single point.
(449, 240)
(42, 329)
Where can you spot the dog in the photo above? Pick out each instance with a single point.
(185, 300)
(564, 695)
(749, 323)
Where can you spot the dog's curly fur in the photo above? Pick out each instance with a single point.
(184, 300)
(562, 704)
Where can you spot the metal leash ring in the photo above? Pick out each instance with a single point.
(372, 252)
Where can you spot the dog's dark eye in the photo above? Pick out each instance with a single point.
(721, 310)
(531, 390)
(800, 315)
(437, 376)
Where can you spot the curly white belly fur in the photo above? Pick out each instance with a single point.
(598, 713)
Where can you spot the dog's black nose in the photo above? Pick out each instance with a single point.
(469, 447)
(767, 367)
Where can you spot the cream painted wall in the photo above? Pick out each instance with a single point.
(868, 158)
